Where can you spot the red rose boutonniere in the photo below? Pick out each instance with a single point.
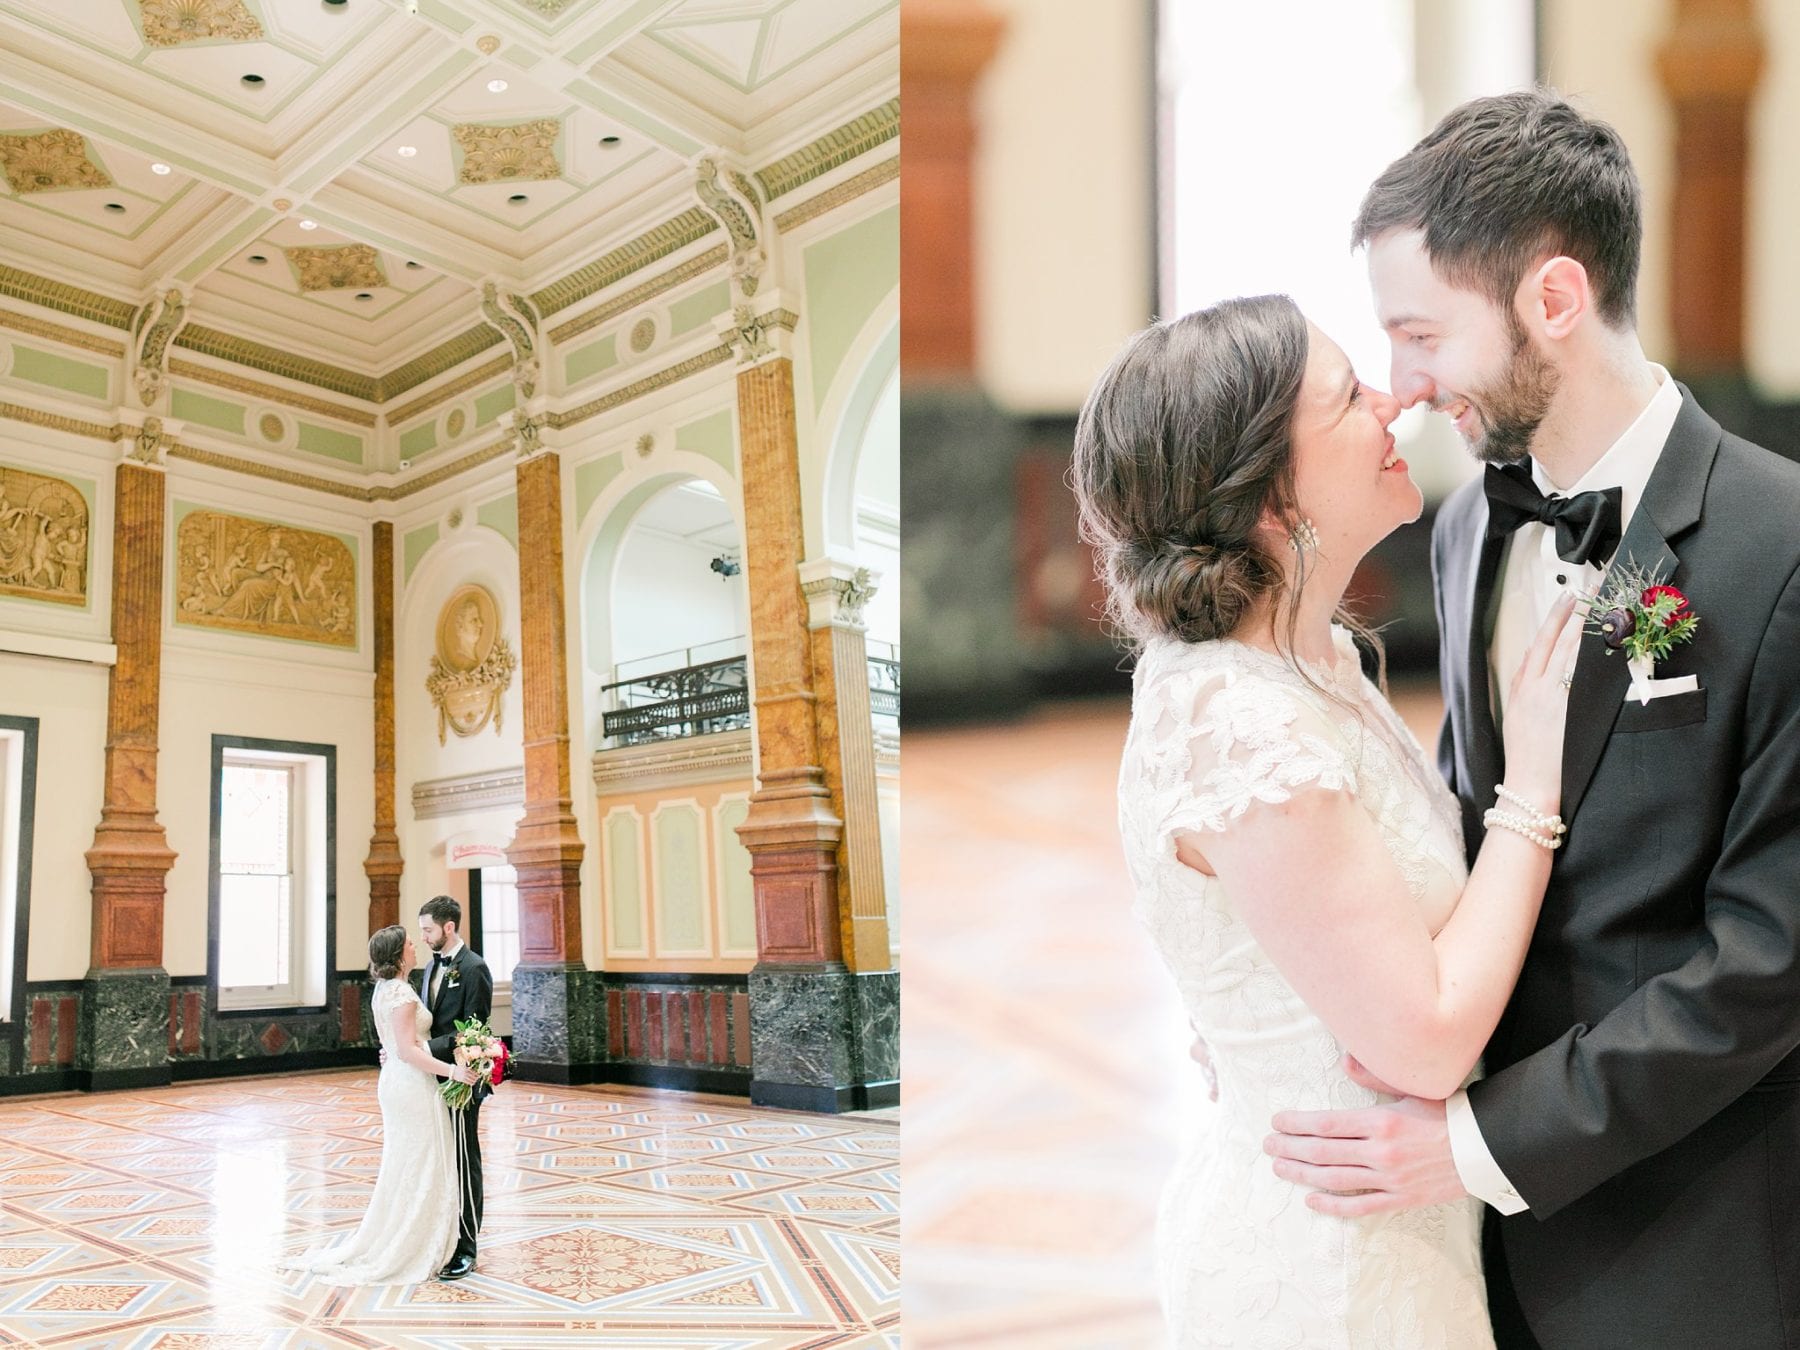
(1636, 613)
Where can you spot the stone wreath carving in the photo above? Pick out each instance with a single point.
(473, 666)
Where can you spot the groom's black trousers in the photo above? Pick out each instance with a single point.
(468, 1175)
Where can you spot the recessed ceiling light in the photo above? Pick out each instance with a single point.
(116, 208)
(407, 151)
(309, 224)
(364, 295)
(336, 4)
(415, 266)
(518, 199)
(159, 168)
(608, 142)
(496, 86)
(258, 258)
(254, 81)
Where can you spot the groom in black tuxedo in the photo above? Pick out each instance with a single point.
(456, 986)
(1637, 1136)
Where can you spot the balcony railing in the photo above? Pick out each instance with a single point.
(702, 697)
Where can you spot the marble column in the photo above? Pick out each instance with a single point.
(125, 997)
(384, 865)
(1710, 63)
(823, 1037)
(558, 1032)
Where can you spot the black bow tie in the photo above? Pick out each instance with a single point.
(1587, 524)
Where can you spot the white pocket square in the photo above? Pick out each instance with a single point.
(1645, 690)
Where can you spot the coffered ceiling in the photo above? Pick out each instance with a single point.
(336, 178)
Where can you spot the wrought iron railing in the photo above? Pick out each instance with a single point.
(704, 697)
(695, 700)
(884, 680)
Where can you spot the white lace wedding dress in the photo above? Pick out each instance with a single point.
(1218, 728)
(409, 1229)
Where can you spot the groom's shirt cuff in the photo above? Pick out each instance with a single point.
(1481, 1175)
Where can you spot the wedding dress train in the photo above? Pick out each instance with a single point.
(1218, 727)
(408, 1230)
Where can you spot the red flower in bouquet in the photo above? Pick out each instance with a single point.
(1668, 602)
(500, 1058)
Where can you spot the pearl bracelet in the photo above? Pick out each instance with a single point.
(1550, 825)
(1521, 827)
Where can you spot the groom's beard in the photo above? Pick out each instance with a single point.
(1513, 409)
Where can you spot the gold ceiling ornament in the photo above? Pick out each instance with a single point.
(549, 8)
(473, 666)
(256, 576)
(737, 208)
(488, 43)
(43, 538)
(271, 427)
(454, 423)
(44, 161)
(523, 152)
(169, 23)
(340, 268)
(643, 333)
(283, 204)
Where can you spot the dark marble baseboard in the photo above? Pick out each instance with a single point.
(826, 1100)
(344, 1057)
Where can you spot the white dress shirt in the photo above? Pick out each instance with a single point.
(437, 979)
(1531, 578)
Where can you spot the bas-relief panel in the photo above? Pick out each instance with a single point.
(497, 154)
(43, 538)
(169, 23)
(473, 666)
(42, 161)
(254, 576)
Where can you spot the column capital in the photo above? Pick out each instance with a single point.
(762, 331)
(145, 438)
(837, 591)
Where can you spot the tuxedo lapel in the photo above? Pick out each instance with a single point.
(1671, 506)
(1485, 763)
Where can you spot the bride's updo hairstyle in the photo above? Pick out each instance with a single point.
(386, 948)
(1182, 446)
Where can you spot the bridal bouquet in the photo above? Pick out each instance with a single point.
(477, 1048)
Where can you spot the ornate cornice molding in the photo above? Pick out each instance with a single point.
(836, 147)
(66, 299)
(435, 797)
(55, 332)
(243, 351)
(847, 191)
(697, 266)
(664, 764)
(75, 426)
(445, 392)
(715, 356)
(238, 384)
(689, 227)
(195, 454)
(442, 472)
(469, 343)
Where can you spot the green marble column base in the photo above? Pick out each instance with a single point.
(559, 1024)
(824, 1040)
(124, 1037)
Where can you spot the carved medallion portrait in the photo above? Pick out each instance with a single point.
(473, 666)
(43, 538)
(254, 576)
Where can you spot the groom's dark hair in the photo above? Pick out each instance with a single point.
(1503, 181)
(443, 909)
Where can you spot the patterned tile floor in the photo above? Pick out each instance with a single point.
(1046, 1055)
(153, 1220)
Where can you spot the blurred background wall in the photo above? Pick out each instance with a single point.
(1134, 160)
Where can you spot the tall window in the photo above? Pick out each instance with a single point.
(18, 782)
(494, 896)
(272, 873)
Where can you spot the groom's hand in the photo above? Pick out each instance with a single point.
(1371, 1161)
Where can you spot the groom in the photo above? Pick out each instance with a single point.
(456, 986)
(1638, 1132)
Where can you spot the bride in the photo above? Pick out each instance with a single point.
(409, 1228)
(1297, 861)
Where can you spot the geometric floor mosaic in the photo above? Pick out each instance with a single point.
(1047, 1069)
(153, 1220)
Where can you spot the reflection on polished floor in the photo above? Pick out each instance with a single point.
(1046, 1055)
(153, 1220)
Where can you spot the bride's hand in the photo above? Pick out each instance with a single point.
(462, 1073)
(1537, 708)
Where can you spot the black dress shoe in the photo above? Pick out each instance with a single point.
(459, 1266)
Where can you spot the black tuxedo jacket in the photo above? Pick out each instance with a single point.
(1643, 1089)
(467, 990)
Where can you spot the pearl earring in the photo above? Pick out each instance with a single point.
(1304, 537)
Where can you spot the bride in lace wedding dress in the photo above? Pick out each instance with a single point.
(1296, 859)
(409, 1228)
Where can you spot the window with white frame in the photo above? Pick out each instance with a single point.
(499, 900)
(271, 878)
(18, 756)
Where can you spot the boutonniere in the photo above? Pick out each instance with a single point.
(1635, 613)
(452, 977)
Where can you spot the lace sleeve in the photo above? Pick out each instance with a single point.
(391, 1013)
(1233, 740)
